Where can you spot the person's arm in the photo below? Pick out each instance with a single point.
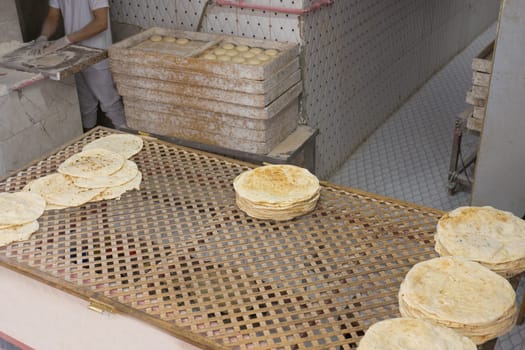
(98, 24)
(51, 22)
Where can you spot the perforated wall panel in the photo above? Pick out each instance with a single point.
(362, 59)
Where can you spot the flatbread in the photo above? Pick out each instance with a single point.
(412, 334)
(117, 191)
(127, 173)
(169, 39)
(18, 233)
(125, 144)
(482, 234)
(459, 294)
(281, 184)
(93, 162)
(59, 190)
(20, 208)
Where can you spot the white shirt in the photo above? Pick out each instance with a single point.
(77, 14)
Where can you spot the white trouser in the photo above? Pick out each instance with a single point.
(95, 85)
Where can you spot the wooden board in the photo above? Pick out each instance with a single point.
(77, 57)
(231, 83)
(214, 132)
(471, 100)
(182, 90)
(129, 51)
(180, 256)
(164, 97)
(480, 92)
(479, 112)
(481, 79)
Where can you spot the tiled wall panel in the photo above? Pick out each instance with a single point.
(362, 59)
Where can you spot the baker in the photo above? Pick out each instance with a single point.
(86, 22)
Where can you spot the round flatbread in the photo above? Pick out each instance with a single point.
(277, 184)
(117, 191)
(219, 52)
(125, 144)
(125, 174)
(482, 234)
(93, 162)
(59, 190)
(20, 208)
(253, 62)
(412, 334)
(18, 233)
(459, 294)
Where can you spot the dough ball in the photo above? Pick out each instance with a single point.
(248, 54)
(238, 59)
(219, 52)
(242, 48)
(256, 50)
(232, 53)
(254, 62)
(262, 57)
(224, 58)
(271, 52)
(182, 41)
(155, 38)
(210, 57)
(169, 39)
(228, 46)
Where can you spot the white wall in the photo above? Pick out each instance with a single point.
(500, 167)
(9, 28)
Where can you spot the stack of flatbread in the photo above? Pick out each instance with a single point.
(492, 237)
(413, 334)
(19, 212)
(100, 172)
(459, 294)
(276, 192)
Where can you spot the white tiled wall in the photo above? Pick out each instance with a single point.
(362, 59)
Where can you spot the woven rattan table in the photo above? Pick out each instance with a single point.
(181, 256)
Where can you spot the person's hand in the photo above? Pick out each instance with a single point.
(57, 45)
(37, 48)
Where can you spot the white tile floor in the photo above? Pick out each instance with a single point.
(408, 156)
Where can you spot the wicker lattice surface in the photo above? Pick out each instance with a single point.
(180, 254)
